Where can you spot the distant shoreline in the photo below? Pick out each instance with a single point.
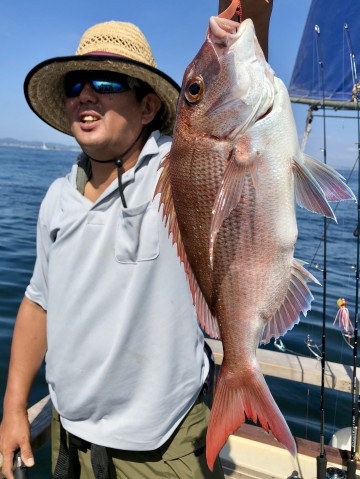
(38, 146)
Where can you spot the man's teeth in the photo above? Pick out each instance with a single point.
(88, 118)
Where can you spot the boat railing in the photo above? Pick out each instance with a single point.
(273, 363)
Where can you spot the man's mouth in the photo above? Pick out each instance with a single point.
(88, 119)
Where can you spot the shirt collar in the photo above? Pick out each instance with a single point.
(82, 171)
(149, 149)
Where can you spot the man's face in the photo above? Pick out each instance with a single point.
(105, 124)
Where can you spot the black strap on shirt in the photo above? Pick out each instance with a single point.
(68, 464)
(120, 170)
(119, 163)
(101, 462)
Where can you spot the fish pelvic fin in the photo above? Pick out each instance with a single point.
(227, 198)
(297, 300)
(316, 184)
(206, 319)
(238, 397)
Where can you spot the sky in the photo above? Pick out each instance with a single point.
(31, 32)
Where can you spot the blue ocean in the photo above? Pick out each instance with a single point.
(25, 175)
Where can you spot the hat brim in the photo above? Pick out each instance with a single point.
(44, 86)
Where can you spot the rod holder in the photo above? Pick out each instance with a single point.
(351, 469)
(321, 467)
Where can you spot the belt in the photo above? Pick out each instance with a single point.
(68, 464)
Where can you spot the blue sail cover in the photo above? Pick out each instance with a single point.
(332, 48)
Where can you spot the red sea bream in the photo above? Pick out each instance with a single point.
(233, 176)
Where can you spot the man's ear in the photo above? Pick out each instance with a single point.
(151, 104)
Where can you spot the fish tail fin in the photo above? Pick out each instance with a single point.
(237, 398)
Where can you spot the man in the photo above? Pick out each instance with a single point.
(108, 302)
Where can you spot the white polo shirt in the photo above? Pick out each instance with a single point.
(125, 358)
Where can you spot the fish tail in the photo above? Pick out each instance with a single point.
(240, 397)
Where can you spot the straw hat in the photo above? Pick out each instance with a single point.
(113, 46)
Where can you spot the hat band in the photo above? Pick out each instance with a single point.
(105, 54)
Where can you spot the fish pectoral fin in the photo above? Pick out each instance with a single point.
(206, 319)
(330, 181)
(227, 198)
(297, 300)
(308, 191)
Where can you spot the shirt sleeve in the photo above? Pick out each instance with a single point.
(37, 290)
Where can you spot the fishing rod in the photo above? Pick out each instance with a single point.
(321, 460)
(20, 471)
(351, 462)
(316, 266)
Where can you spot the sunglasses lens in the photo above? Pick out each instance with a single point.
(104, 86)
(100, 81)
(73, 89)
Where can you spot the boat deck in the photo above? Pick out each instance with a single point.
(254, 454)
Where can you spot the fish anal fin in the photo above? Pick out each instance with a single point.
(297, 300)
(228, 195)
(238, 397)
(206, 319)
(309, 193)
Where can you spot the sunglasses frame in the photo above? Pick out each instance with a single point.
(75, 82)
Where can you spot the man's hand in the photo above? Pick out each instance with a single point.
(27, 353)
(14, 435)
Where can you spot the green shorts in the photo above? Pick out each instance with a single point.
(182, 456)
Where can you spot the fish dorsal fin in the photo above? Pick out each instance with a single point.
(207, 321)
(330, 181)
(228, 195)
(308, 192)
(297, 300)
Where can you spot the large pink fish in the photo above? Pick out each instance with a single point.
(232, 176)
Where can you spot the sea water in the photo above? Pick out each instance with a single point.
(25, 175)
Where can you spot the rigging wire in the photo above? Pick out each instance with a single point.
(351, 463)
(309, 119)
(329, 223)
(321, 458)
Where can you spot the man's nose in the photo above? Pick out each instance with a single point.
(88, 93)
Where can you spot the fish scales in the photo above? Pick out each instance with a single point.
(200, 181)
(229, 187)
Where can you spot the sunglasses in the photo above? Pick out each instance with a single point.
(100, 81)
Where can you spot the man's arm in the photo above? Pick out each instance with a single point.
(27, 353)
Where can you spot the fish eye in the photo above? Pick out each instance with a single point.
(194, 90)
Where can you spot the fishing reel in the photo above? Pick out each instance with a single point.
(313, 348)
(348, 337)
(334, 473)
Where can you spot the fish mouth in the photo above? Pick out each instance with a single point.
(236, 47)
(224, 33)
